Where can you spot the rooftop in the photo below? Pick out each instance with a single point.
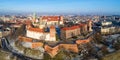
(70, 28)
(36, 29)
(51, 18)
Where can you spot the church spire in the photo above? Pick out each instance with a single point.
(34, 17)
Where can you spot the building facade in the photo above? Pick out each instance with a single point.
(37, 33)
(68, 32)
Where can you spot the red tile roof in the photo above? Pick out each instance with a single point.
(51, 18)
(35, 29)
(70, 28)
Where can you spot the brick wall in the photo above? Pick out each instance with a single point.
(37, 44)
(52, 51)
(83, 41)
(70, 47)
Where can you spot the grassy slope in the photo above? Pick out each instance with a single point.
(113, 56)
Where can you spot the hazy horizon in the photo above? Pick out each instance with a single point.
(60, 6)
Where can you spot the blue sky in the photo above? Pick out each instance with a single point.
(61, 6)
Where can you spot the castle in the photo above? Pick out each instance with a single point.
(37, 28)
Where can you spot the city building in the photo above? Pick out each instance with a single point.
(48, 21)
(108, 30)
(52, 20)
(68, 32)
(72, 31)
(83, 27)
(106, 23)
(108, 27)
(37, 30)
(40, 34)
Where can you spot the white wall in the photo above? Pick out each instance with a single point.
(106, 23)
(37, 35)
(27, 44)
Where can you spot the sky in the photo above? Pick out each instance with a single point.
(61, 6)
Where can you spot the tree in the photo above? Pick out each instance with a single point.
(97, 38)
(117, 44)
(18, 31)
(62, 55)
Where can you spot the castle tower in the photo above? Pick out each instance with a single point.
(90, 25)
(61, 20)
(52, 33)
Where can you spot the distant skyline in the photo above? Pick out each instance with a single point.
(61, 6)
